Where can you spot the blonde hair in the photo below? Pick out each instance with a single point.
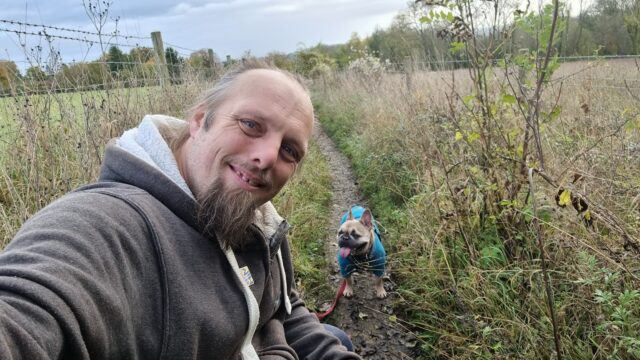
(212, 98)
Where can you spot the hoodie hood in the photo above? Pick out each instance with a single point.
(147, 143)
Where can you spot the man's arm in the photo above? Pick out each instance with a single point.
(65, 281)
(304, 333)
(308, 337)
(28, 331)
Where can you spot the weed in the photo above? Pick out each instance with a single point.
(462, 252)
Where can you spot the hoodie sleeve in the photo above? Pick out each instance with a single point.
(66, 282)
(307, 336)
(304, 333)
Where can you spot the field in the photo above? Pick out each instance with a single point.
(52, 143)
(488, 262)
(493, 262)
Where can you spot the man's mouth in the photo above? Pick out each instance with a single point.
(247, 177)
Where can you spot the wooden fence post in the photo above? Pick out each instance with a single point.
(212, 63)
(163, 71)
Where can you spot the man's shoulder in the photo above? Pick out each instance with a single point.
(94, 202)
(110, 188)
(82, 220)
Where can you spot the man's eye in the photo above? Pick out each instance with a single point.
(250, 127)
(248, 123)
(290, 153)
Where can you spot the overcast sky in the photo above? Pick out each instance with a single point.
(229, 27)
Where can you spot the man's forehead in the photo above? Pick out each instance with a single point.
(277, 82)
(269, 77)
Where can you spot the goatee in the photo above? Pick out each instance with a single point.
(226, 215)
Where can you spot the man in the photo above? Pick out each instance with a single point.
(176, 253)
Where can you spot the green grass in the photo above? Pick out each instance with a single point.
(465, 261)
(52, 143)
(305, 203)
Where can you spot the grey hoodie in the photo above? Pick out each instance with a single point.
(119, 270)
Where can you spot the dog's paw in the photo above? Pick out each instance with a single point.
(381, 293)
(379, 286)
(348, 292)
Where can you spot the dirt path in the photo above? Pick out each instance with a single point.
(364, 317)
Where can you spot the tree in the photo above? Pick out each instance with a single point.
(396, 43)
(310, 62)
(35, 73)
(604, 22)
(81, 75)
(204, 63)
(142, 55)
(116, 59)
(631, 18)
(343, 54)
(173, 63)
(201, 59)
(281, 60)
(9, 74)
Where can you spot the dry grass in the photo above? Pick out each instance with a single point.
(51, 143)
(466, 261)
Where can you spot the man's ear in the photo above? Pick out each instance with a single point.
(197, 121)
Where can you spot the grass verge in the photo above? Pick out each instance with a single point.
(305, 202)
(465, 260)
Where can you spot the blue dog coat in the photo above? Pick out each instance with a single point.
(374, 261)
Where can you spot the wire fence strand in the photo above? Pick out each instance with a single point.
(116, 33)
(53, 36)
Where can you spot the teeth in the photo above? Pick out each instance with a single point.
(246, 179)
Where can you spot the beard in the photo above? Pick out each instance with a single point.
(226, 214)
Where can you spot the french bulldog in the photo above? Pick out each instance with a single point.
(360, 249)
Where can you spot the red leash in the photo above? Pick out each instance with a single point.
(335, 301)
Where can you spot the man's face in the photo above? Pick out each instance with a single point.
(257, 138)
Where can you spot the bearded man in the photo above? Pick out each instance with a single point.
(176, 252)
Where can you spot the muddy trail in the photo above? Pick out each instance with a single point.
(366, 318)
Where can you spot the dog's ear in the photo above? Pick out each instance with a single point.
(350, 217)
(366, 219)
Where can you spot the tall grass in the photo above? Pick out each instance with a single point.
(53, 142)
(471, 283)
(305, 202)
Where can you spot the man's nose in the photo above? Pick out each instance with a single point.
(266, 152)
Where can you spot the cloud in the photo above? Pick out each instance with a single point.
(281, 8)
(226, 26)
(181, 8)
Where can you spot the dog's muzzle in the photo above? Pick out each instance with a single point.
(344, 240)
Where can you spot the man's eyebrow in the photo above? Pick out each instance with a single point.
(251, 114)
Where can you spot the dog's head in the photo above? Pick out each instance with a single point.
(355, 237)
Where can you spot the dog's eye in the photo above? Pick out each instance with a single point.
(354, 234)
(340, 232)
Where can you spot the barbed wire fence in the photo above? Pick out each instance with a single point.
(44, 27)
(147, 61)
(169, 65)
